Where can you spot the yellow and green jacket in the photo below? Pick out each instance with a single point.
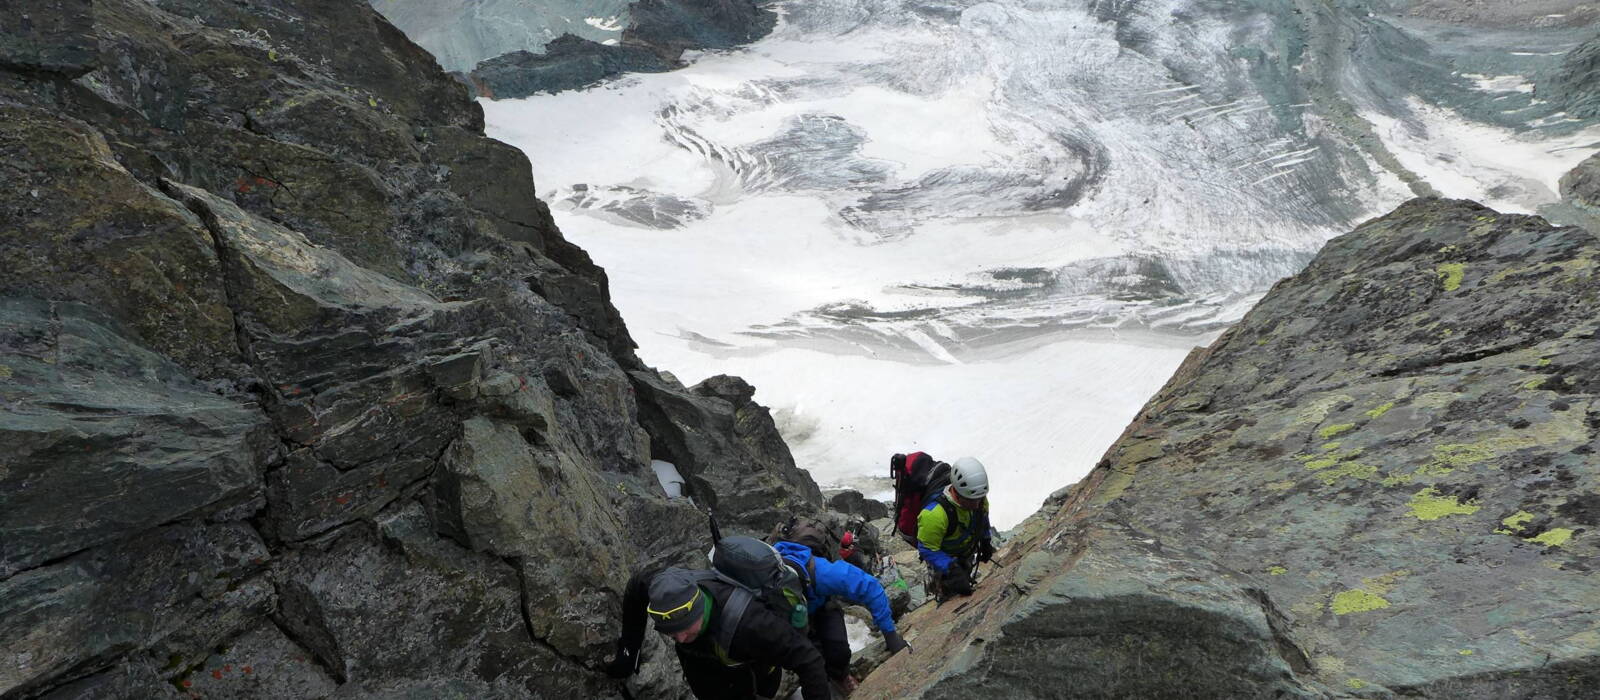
(939, 541)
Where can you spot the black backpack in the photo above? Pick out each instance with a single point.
(917, 478)
(864, 547)
(757, 573)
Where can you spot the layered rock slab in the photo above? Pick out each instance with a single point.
(301, 374)
(1390, 459)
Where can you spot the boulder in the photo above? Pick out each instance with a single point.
(852, 503)
(728, 449)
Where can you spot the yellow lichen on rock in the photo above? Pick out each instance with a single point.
(1357, 600)
(1450, 275)
(1555, 537)
(1427, 504)
(1514, 522)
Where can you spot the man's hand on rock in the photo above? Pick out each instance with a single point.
(626, 663)
(893, 643)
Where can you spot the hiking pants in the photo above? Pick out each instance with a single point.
(829, 637)
(710, 679)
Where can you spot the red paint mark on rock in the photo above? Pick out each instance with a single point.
(248, 670)
(342, 499)
(217, 675)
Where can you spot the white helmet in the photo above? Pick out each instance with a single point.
(969, 478)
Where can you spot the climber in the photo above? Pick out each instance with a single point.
(953, 532)
(685, 606)
(826, 579)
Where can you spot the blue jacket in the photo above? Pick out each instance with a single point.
(841, 579)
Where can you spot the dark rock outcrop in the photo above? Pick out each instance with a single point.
(1580, 193)
(1577, 84)
(304, 393)
(654, 41)
(727, 447)
(48, 37)
(1380, 482)
(851, 502)
(568, 63)
(674, 26)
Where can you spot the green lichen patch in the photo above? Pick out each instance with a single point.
(1434, 400)
(1450, 457)
(1322, 463)
(1276, 571)
(1427, 504)
(1397, 479)
(1330, 446)
(1515, 522)
(1332, 430)
(1379, 585)
(1450, 275)
(1318, 410)
(1534, 383)
(1115, 484)
(1380, 410)
(1554, 537)
(1356, 600)
(1355, 684)
(1353, 470)
(1465, 652)
(5, 372)
(1456, 455)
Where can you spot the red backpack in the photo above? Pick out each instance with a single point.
(918, 477)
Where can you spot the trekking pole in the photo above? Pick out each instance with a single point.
(716, 532)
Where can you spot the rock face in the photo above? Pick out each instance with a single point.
(658, 33)
(1381, 482)
(728, 448)
(304, 393)
(1578, 82)
(1580, 193)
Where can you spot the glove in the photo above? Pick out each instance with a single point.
(626, 663)
(957, 581)
(986, 551)
(893, 643)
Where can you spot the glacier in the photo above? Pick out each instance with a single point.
(996, 228)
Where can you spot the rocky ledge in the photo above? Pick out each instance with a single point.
(304, 393)
(1381, 483)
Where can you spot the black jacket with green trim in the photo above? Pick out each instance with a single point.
(763, 637)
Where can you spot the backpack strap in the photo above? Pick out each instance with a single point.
(949, 513)
(730, 617)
